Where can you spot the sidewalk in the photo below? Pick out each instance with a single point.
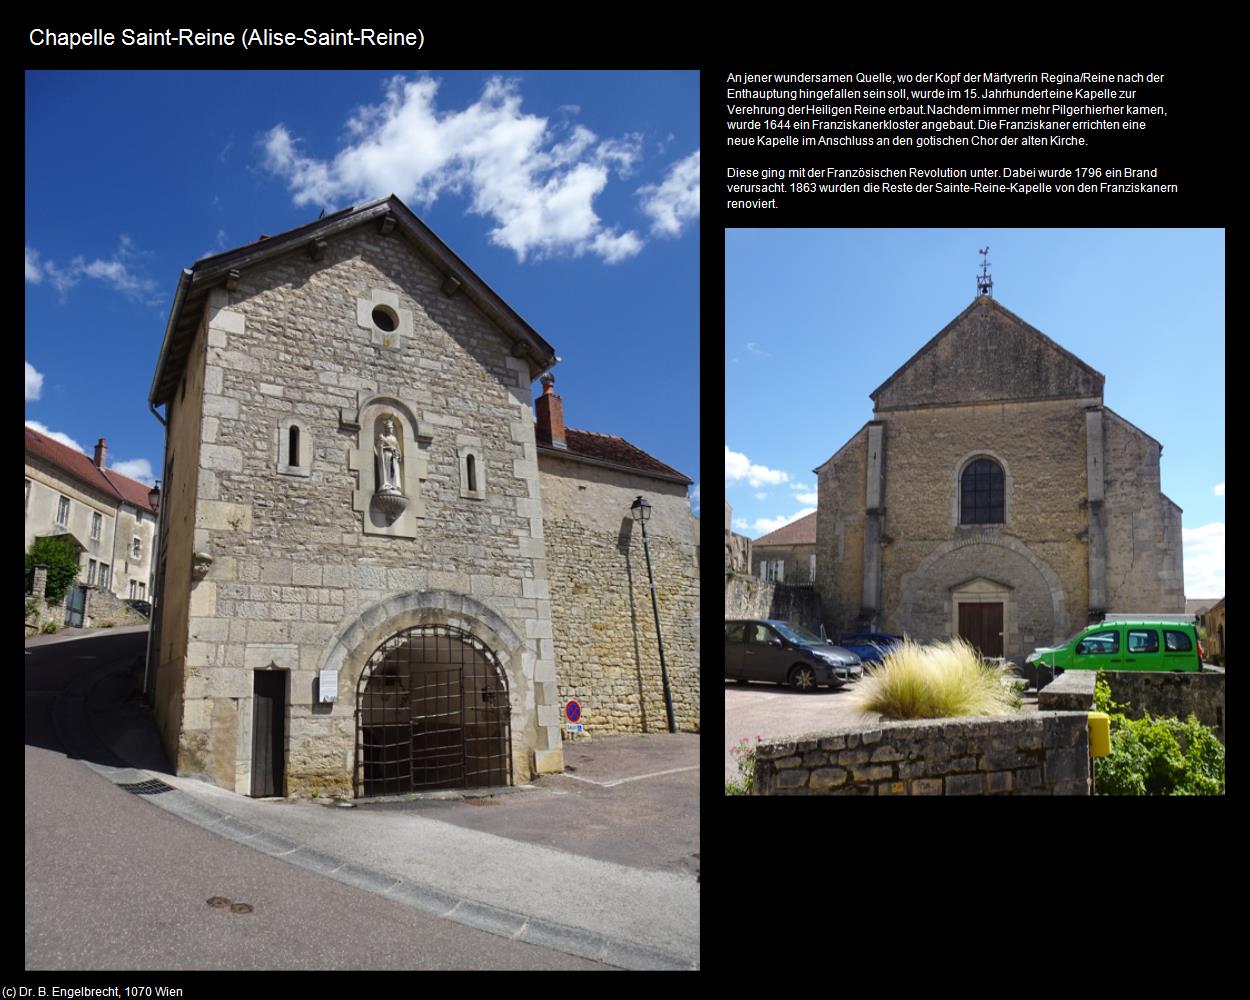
(600, 862)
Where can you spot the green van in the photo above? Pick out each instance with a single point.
(1126, 645)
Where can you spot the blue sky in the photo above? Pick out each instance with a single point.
(574, 195)
(817, 319)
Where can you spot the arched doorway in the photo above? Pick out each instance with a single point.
(432, 711)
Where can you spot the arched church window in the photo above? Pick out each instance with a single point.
(981, 493)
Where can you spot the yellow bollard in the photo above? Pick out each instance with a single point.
(1099, 734)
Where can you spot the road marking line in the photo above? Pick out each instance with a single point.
(637, 777)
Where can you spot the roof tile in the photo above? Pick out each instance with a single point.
(79, 466)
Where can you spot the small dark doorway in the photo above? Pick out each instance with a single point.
(982, 625)
(432, 711)
(268, 725)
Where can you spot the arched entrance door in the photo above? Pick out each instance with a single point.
(432, 711)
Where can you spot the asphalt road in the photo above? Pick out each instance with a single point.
(113, 883)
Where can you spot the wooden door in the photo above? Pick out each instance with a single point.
(268, 724)
(982, 625)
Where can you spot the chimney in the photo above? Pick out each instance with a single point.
(101, 449)
(550, 410)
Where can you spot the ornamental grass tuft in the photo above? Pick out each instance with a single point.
(935, 681)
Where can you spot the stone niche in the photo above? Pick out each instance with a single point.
(390, 465)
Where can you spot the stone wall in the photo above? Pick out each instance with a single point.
(1037, 555)
(1144, 572)
(1160, 694)
(1035, 754)
(107, 610)
(607, 656)
(297, 581)
(748, 597)
(840, 526)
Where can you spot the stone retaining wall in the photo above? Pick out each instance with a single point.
(1035, 754)
(749, 597)
(1165, 694)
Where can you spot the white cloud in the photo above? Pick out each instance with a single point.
(33, 274)
(135, 468)
(34, 382)
(806, 498)
(117, 272)
(675, 200)
(753, 348)
(764, 525)
(761, 496)
(694, 498)
(65, 439)
(742, 524)
(1218, 490)
(740, 467)
(1204, 560)
(535, 179)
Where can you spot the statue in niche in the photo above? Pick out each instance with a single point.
(389, 460)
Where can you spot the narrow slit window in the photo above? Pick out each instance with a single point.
(471, 467)
(293, 447)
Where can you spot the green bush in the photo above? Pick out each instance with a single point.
(1156, 756)
(49, 628)
(936, 681)
(60, 555)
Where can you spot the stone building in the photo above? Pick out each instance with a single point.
(1213, 622)
(995, 496)
(108, 514)
(737, 548)
(363, 581)
(787, 555)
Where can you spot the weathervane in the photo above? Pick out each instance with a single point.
(985, 284)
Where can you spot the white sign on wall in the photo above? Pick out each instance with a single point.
(329, 687)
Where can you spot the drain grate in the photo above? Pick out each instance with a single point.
(152, 787)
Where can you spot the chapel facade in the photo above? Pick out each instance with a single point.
(994, 496)
(357, 595)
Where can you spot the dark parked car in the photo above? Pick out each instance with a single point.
(143, 607)
(767, 650)
(871, 646)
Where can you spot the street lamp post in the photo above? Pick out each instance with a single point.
(642, 513)
(154, 500)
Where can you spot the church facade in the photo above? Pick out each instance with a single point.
(357, 591)
(994, 496)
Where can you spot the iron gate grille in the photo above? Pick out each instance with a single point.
(432, 711)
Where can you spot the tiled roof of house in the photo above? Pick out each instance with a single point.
(800, 532)
(1197, 605)
(614, 451)
(79, 466)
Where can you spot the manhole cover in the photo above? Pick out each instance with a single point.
(152, 787)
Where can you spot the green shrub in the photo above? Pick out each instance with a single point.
(1156, 756)
(60, 555)
(940, 680)
(1161, 756)
(49, 628)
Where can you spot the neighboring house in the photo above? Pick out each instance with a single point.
(1196, 607)
(1213, 622)
(737, 548)
(994, 496)
(379, 575)
(108, 514)
(787, 555)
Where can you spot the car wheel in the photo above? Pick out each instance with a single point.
(802, 678)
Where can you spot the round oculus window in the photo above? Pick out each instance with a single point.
(385, 319)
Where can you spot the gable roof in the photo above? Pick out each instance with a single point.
(76, 465)
(211, 272)
(985, 354)
(614, 452)
(800, 532)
